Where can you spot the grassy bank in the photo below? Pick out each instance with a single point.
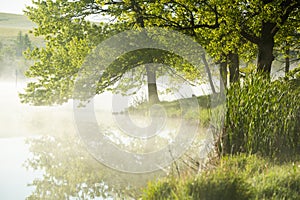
(234, 177)
(196, 109)
(257, 149)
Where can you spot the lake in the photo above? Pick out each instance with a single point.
(54, 159)
(14, 177)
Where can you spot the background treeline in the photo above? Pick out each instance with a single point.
(15, 39)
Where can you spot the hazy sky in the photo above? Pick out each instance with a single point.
(13, 6)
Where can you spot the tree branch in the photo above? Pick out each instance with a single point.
(250, 37)
(286, 14)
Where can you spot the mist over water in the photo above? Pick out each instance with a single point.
(17, 119)
(14, 176)
(20, 122)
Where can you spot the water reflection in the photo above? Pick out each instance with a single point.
(71, 173)
(63, 168)
(13, 176)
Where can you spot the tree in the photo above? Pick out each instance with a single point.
(226, 27)
(151, 72)
(22, 43)
(70, 37)
(229, 32)
(287, 43)
(270, 17)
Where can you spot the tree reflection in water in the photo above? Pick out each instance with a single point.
(70, 172)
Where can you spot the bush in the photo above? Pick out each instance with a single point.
(161, 190)
(219, 185)
(262, 117)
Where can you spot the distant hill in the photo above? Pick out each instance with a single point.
(15, 21)
(12, 24)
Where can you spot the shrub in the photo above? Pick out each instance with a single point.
(219, 185)
(160, 190)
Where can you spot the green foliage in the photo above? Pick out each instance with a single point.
(267, 179)
(202, 111)
(221, 27)
(22, 43)
(69, 38)
(160, 190)
(294, 75)
(56, 75)
(235, 177)
(249, 165)
(219, 185)
(11, 55)
(281, 182)
(225, 26)
(262, 117)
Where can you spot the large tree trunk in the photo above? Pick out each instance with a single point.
(152, 87)
(233, 62)
(151, 72)
(265, 49)
(211, 83)
(223, 75)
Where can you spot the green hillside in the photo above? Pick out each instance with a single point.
(12, 24)
(15, 21)
(11, 58)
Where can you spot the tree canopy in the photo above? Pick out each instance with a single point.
(229, 32)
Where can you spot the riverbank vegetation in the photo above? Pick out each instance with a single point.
(233, 177)
(255, 149)
(257, 152)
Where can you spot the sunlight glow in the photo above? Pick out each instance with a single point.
(14, 6)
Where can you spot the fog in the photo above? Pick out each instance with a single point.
(18, 119)
(20, 122)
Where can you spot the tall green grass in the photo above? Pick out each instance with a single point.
(262, 117)
(234, 178)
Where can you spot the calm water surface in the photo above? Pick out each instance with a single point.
(14, 176)
(49, 129)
